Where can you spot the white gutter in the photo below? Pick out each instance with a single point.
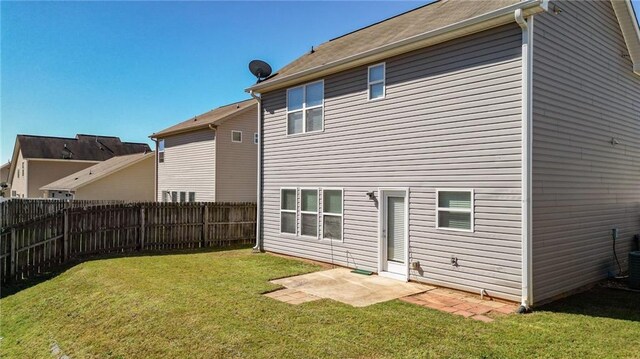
(258, 246)
(527, 114)
(482, 22)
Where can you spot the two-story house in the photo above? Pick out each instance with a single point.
(40, 160)
(211, 157)
(488, 146)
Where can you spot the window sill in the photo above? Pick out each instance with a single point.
(305, 133)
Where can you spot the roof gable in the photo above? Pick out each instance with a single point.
(96, 172)
(630, 30)
(212, 117)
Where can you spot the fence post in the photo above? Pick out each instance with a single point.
(65, 243)
(12, 269)
(142, 227)
(205, 225)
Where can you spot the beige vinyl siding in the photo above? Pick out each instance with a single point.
(236, 175)
(189, 165)
(42, 172)
(133, 183)
(585, 93)
(19, 181)
(450, 119)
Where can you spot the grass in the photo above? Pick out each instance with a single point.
(209, 305)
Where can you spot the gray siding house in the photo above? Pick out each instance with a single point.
(488, 146)
(210, 157)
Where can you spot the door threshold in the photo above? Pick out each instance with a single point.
(393, 276)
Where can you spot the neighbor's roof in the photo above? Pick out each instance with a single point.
(82, 147)
(401, 27)
(96, 172)
(208, 118)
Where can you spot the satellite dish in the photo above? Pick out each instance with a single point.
(260, 69)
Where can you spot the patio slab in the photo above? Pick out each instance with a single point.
(354, 289)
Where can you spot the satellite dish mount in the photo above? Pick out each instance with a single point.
(260, 69)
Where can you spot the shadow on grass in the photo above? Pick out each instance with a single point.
(17, 286)
(599, 302)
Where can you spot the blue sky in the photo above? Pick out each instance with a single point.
(132, 68)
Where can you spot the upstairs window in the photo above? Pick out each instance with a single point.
(305, 108)
(455, 210)
(256, 138)
(161, 151)
(236, 136)
(376, 81)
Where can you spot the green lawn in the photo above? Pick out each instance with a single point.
(208, 305)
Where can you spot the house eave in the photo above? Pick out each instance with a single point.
(473, 25)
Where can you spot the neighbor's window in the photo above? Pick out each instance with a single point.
(288, 214)
(305, 108)
(309, 212)
(192, 196)
(166, 196)
(236, 136)
(256, 138)
(161, 151)
(332, 214)
(183, 196)
(376, 81)
(174, 196)
(455, 210)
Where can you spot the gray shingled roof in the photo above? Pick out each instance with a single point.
(82, 147)
(401, 27)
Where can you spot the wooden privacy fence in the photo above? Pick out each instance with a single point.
(41, 244)
(18, 210)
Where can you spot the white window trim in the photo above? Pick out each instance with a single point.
(303, 109)
(332, 214)
(256, 138)
(383, 82)
(234, 132)
(461, 210)
(317, 212)
(295, 211)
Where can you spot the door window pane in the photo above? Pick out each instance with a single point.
(395, 229)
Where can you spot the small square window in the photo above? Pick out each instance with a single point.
(455, 210)
(236, 136)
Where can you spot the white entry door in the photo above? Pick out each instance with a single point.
(394, 232)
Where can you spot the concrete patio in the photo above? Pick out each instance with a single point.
(343, 286)
(358, 290)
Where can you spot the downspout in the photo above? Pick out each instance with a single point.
(155, 166)
(527, 128)
(214, 128)
(258, 247)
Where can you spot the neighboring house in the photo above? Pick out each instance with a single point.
(40, 160)
(461, 145)
(5, 184)
(125, 178)
(210, 157)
